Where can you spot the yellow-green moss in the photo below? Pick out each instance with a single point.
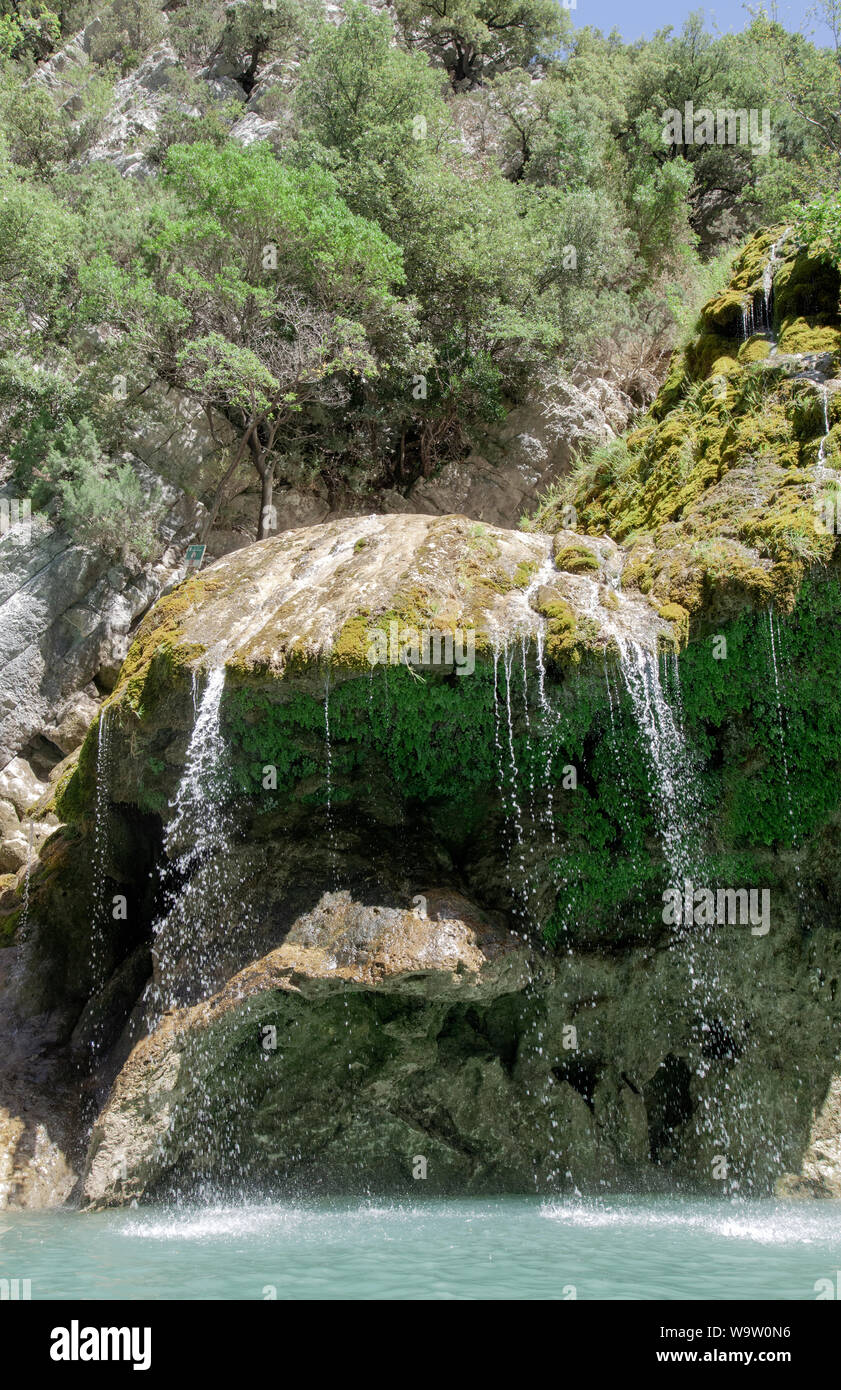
(755, 349)
(351, 646)
(677, 615)
(158, 652)
(524, 573)
(637, 574)
(798, 335)
(806, 286)
(576, 559)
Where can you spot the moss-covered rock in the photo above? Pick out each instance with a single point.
(716, 503)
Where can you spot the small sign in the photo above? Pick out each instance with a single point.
(194, 557)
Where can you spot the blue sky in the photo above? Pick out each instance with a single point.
(635, 20)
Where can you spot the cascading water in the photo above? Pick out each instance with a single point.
(823, 472)
(198, 876)
(758, 313)
(328, 778)
(101, 838)
(678, 809)
(30, 845)
(507, 779)
(747, 321)
(775, 666)
(768, 274)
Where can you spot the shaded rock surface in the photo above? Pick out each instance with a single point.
(314, 1042)
(334, 883)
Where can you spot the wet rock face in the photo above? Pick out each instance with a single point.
(276, 829)
(306, 1053)
(39, 1131)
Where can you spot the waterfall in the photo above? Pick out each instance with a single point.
(747, 321)
(768, 274)
(202, 770)
(508, 777)
(548, 721)
(821, 470)
(763, 321)
(328, 778)
(101, 841)
(696, 949)
(24, 916)
(198, 881)
(775, 666)
(676, 796)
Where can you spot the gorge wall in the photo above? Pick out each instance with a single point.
(320, 903)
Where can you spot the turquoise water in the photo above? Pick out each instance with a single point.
(508, 1247)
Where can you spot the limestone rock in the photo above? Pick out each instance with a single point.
(9, 820)
(20, 786)
(342, 953)
(820, 1172)
(36, 1106)
(251, 128)
(65, 616)
(518, 459)
(320, 589)
(73, 721)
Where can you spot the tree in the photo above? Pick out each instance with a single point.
(28, 29)
(255, 31)
(128, 29)
(807, 80)
(261, 293)
(471, 37)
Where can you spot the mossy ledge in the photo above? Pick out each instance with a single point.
(715, 494)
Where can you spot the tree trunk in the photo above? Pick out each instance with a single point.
(267, 523)
(223, 483)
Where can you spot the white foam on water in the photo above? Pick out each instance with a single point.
(776, 1224)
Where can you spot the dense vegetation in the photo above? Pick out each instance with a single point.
(454, 198)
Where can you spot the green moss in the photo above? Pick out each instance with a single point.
(351, 646)
(806, 287)
(524, 573)
(676, 614)
(800, 335)
(722, 316)
(576, 559)
(158, 656)
(756, 349)
(74, 792)
(711, 354)
(10, 909)
(638, 574)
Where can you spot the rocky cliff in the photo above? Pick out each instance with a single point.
(365, 858)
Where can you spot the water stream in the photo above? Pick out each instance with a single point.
(199, 876)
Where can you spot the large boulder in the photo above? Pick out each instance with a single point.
(291, 822)
(325, 1008)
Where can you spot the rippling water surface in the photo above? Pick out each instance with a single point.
(507, 1247)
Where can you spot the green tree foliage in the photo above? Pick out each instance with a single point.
(99, 499)
(260, 292)
(460, 197)
(473, 37)
(28, 29)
